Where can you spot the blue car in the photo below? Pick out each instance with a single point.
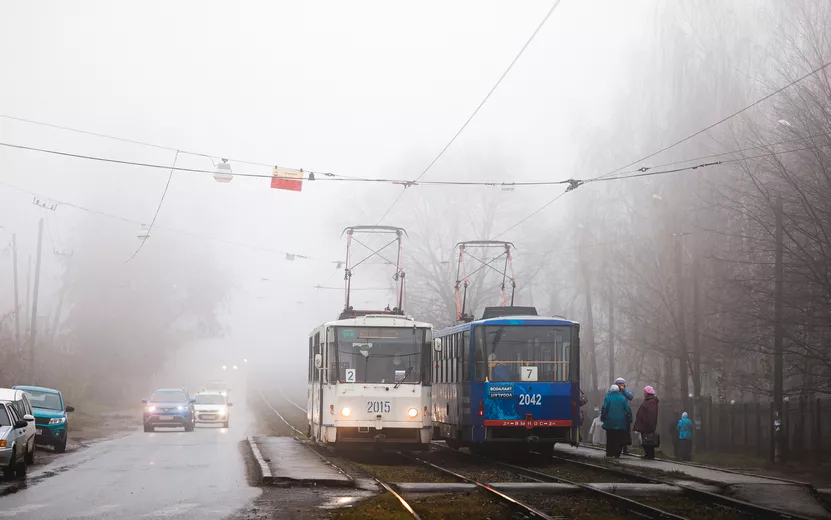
(51, 418)
(169, 408)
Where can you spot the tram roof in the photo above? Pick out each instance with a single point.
(508, 320)
(378, 320)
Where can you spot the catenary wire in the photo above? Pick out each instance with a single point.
(478, 108)
(158, 208)
(720, 121)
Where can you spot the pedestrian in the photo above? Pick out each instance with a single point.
(617, 417)
(596, 432)
(621, 383)
(685, 432)
(646, 422)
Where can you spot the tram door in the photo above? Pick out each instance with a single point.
(317, 390)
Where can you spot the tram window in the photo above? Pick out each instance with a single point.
(479, 354)
(466, 357)
(317, 350)
(311, 360)
(332, 355)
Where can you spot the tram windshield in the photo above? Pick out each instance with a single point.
(523, 353)
(380, 354)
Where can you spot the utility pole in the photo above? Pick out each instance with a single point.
(778, 334)
(681, 323)
(16, 297)
(28, 290)
(33, 332)
(612, 374)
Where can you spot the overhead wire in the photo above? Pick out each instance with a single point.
(158, 209)
(676, 143)
(476, 111)
(112, 216)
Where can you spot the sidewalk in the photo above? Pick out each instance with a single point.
(773, 493)
(286, 461)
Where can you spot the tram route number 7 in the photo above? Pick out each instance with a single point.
(378, 407)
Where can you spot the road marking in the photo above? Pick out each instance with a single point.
(21, 509)
(96, 512)
(174, 510)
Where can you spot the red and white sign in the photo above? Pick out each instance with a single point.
(287, 179)
(533, 423)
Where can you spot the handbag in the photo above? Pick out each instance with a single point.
(651, 440)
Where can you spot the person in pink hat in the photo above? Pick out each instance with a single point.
(646, 422)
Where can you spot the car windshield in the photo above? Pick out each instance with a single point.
(210, 399)
(45, 400)
(4, 416)
(379, 354)
(168, 396)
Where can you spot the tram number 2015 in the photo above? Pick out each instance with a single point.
(378, 407)
(530, 399)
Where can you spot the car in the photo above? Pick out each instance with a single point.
(212, 408)
(216, 387)
(23, 409)
(14, 441)
(168, 408)
(51, 415)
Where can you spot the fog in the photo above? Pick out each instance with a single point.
(681, 262)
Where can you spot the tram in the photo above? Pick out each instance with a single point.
(510, 378)
(369, 371)
(369, 382)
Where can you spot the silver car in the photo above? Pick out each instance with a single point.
(13, 441)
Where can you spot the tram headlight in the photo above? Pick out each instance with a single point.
(412, 412)
(345, 411)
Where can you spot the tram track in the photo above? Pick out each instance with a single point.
(741, 507)
(385, 486)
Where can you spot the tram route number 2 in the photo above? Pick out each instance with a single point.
(530, 399)
(378, 407)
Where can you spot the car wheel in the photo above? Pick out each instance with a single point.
(61, 447)
(189, 427)
(8, 471)
(30, 457)
(148, 429)
(20, 471)
(225, 424)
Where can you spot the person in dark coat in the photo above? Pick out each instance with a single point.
(673, 433)
(621, 383)
(617, 418)
(646, 421)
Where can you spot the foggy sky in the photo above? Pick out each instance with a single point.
(360, 88)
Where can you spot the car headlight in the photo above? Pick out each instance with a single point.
(345, 411)
(223, 411)
(57, 420)
(180, 408)
(412, 412)
(149, 408)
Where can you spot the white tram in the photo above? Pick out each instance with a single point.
(369, 382)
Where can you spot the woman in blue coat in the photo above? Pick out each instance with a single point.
(616, 416)
(685, 432)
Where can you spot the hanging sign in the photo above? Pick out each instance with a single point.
(287, 179)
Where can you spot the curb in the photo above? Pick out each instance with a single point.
(265, 476)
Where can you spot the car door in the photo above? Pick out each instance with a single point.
(30, 429)
(17, 435)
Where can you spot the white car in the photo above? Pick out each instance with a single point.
(212, 408)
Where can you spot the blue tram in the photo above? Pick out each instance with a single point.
(507, 380)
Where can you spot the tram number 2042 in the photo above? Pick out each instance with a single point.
(530, 399)
(378, 407)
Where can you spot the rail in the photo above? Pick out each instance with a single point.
(756, 511)
(407, 507)
(535, 513)
(628, 504)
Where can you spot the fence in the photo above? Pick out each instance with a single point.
(746, 427)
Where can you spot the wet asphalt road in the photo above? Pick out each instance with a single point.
(168, 474)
